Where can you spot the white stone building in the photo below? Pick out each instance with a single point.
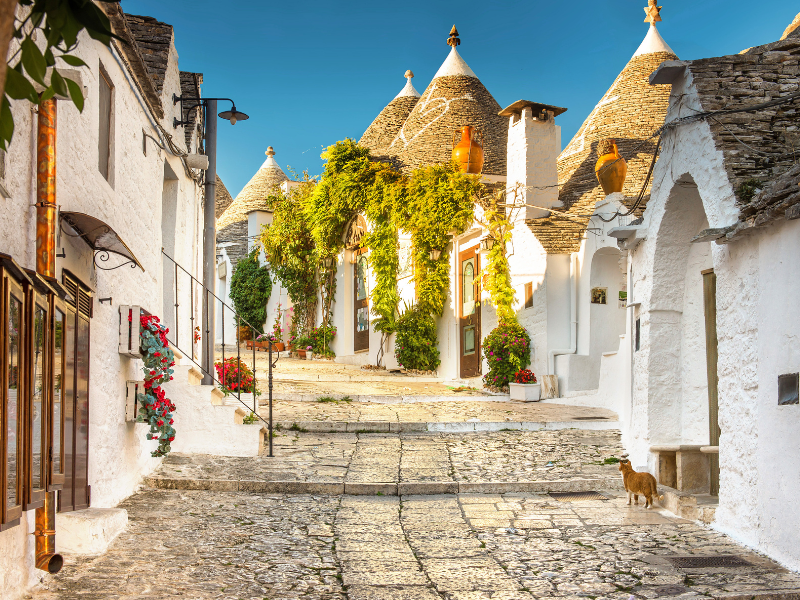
(122, 196)
(714, 286)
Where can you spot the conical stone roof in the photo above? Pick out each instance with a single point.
(387, 124)
(254, 195)
(454, 98)
(629, 112)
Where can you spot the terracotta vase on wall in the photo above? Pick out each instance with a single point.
(468, 153)
(610, 168)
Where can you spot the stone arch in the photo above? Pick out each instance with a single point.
(674, 322)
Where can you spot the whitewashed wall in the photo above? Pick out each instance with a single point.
(757, 330)
(131, 203)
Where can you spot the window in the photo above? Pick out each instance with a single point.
(26, 390)
(529, 295)
(13, 394)
(35, 421)
(56, 406)
(104, 138)
(637, 334)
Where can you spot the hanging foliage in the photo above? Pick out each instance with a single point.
(496, 274)
(251, 287)
(155, 408)
(440, 205)
(289, 247)
(415, 345)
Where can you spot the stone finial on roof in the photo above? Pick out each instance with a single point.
(270, 151)
(409, 74)
(653, 12)
(453, 39)
(409, 89)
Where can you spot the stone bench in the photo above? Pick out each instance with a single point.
(683, 467)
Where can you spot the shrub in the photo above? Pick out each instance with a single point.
(415, 344)
(320, 340)
(507, 349)
(231, 372)
(251, 287)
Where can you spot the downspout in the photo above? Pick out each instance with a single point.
(45, 531)
(573, 309)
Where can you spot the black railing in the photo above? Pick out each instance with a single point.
(193, 291)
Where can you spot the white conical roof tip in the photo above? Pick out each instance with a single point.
(454, 64)
(270, 162)
(409, 89)
(653, 42)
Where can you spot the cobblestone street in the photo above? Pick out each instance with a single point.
(237, 545)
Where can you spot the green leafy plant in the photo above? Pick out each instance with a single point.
(289, 247)
(320, 339)
(58, 23)
(440, 203)
(251, 287)
(250, 419)
(155, 408)
(507, 350)
(498, 219)
(415, 342)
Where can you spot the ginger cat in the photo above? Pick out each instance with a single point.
(639, 483)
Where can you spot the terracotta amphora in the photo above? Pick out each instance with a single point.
(610, 168)
(468, 153)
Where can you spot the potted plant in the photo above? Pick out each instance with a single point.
(525, 387)
(263, 340)
(277, 330)
(309, 352)
(237, 381)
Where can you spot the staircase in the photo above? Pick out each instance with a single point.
(203, 424)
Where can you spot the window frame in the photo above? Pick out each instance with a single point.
(10, 515)
(105, 78)
(528, 292)
(34, 497)
(56, 479)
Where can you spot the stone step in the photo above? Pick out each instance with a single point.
(441, 427)
(384, 399)
(422, 488)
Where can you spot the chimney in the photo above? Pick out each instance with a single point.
(534, 143)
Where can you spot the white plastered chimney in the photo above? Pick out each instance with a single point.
(534, 143)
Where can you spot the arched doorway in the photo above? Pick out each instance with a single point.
(682, 406)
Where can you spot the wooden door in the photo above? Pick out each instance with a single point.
(75, 493)
(469, 313)
(710, 310)
(360, 300)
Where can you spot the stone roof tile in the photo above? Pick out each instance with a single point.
(153, 39)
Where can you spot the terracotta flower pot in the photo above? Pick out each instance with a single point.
(301, 353)
(278, 346)
(468, 153)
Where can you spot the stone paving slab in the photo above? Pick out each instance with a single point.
(507, 457)
(370, 415)
(233, 545)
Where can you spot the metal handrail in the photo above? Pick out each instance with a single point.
(210, 370)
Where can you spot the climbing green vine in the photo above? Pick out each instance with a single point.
(496, 274)
(290, 251)
(309, 230)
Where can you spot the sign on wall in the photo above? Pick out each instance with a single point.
(599, 295)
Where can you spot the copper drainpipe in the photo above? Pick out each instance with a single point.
(45, 532)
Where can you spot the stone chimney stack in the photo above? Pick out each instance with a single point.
(534, 143)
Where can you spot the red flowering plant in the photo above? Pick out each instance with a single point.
(524, 376)
(235, 377)
(154, 406)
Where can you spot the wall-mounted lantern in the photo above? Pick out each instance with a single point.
(435, 254)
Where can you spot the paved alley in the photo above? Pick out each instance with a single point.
(236, 545)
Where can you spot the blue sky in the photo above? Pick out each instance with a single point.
(310, 73)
